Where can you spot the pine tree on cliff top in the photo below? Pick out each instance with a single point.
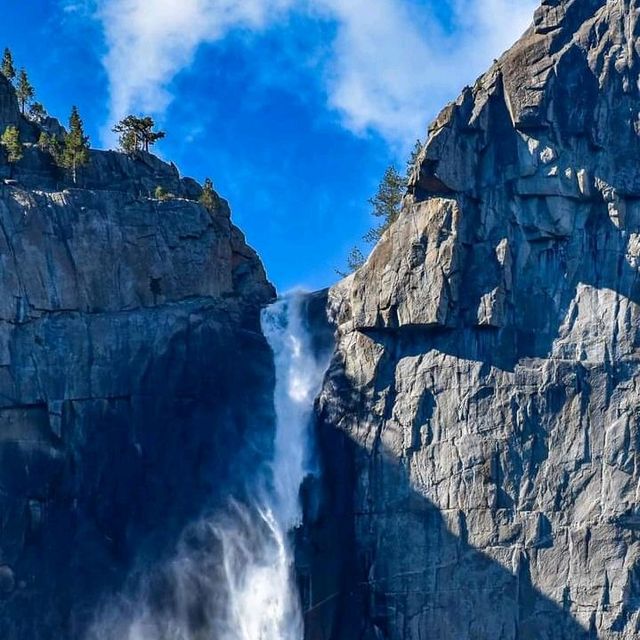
(137, 134)
(387, 204)
(8, 70)
(76, 145)
(24, 91)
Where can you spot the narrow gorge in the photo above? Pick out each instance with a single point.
(445, 445)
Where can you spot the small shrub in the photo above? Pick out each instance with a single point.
(10, 140)
(161, 194)
(209, 198)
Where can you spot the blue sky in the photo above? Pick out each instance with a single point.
(293, 107)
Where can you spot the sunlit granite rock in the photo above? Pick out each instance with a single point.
(484, 395)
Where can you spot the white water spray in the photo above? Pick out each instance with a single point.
(240, 577)
(264, 602)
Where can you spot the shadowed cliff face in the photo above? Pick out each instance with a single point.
(135, 383)
(486, 376)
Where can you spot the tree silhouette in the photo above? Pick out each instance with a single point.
(137, 133)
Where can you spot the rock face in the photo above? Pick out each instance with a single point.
(132, 369)
(482, 406)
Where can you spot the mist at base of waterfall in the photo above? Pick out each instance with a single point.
(232, 577)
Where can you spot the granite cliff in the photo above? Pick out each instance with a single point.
(479, 424)
(478, 428)
(124, 405)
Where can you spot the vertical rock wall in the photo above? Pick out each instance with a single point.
(133, 377)
(487, 374)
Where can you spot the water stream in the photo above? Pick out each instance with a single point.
(264, 603)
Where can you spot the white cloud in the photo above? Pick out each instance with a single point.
(149, 43)
(391, 63)
(391, 70)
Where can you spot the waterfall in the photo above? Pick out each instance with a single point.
(239, 574)
(263, 599)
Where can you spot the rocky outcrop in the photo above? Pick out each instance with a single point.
(484, 393)
(132, 374)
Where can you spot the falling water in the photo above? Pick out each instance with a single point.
(239, 576)
(264, 603)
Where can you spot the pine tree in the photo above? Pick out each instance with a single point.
(76, 145)
(10, 141)
(24, 91)
(355, 260)
(137, 134)
(147, 133)
(8, 70)
(128, 135)
(129, 142)
(208, 197)
(44, 141)
(386, 203)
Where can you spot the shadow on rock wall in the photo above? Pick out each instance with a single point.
(183, 421)
(378, 561)
(442, 587)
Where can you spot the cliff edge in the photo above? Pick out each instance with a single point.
(132, 374)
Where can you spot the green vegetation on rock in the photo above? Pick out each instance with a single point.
(10, 141)
(51, 145)
(24, 91)
(137, 134)
(7, 68)
(161, 194)
(209, 198)
(386, 204)
(75, 153)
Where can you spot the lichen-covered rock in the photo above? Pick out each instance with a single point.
(133, 373)
(486, 379)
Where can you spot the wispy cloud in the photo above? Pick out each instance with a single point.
(390, 62)
(149, 43)
(391, 68)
